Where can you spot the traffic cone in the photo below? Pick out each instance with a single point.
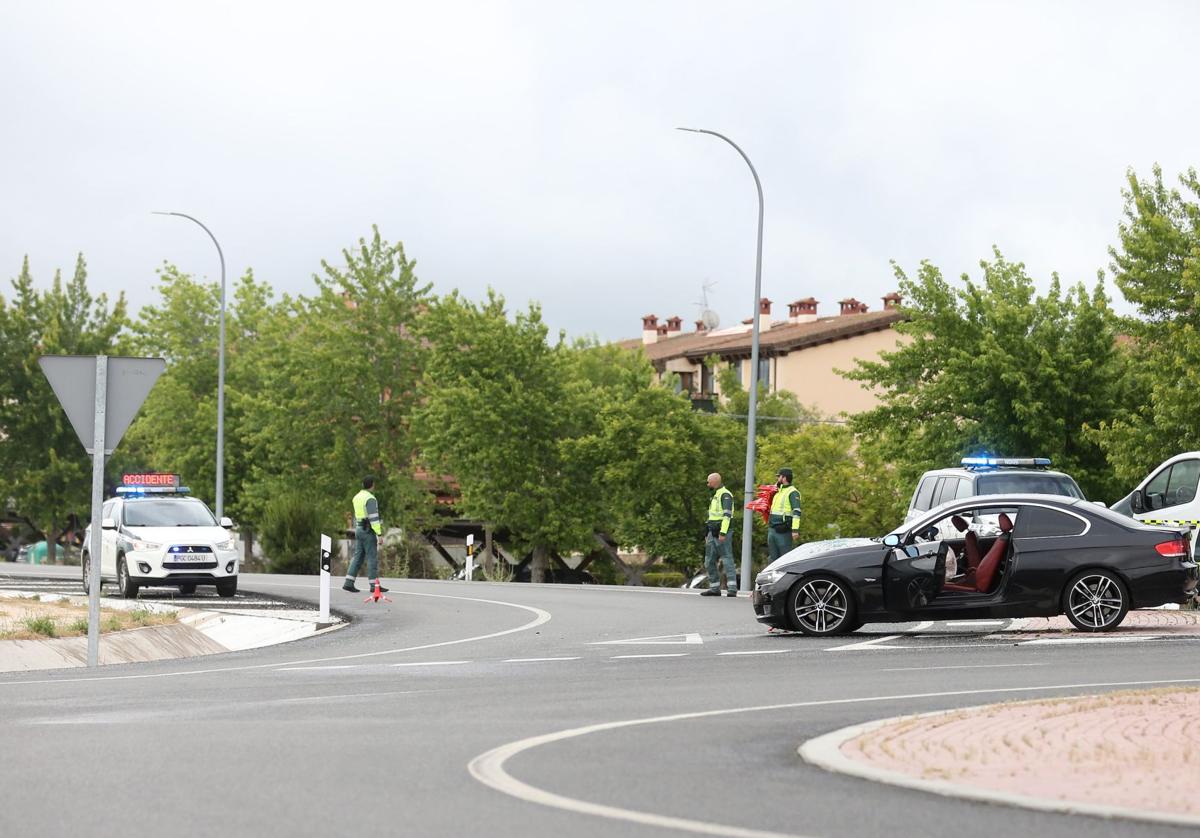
(377, 595)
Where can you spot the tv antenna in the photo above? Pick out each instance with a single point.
(708, 317)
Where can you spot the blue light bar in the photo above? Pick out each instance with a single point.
(142, 491)
(997, 462)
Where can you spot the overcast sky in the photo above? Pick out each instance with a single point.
(530, 146)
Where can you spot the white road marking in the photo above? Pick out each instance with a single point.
(920, 627)
(1071, 641)
(664, 655)
(317, 668)
(488, 768)
(868, 644)
(430, 663)
(541, 617)
(690, 639)
(539, 660)
(965, 666)
(757, 652)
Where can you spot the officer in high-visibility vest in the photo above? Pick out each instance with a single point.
(718, 540)
(367, 529)
(783, 525)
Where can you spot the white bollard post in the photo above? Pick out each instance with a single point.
(470, 556)
(326, 570)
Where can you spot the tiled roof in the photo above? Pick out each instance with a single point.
(789, 337)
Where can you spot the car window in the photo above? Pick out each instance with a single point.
(925, 494)
(1040, 522)
(107, 509)
(1158, 483)
(965, 489)
(946, 490)
(1181, 486)
(168, 513)
(1037, 484)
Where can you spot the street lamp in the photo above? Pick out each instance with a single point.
(752, 414)
(220, 499)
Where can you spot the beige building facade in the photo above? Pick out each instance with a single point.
(801, 354)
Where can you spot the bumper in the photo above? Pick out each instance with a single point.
(149, 567)
(1158, 586)
(770, 604)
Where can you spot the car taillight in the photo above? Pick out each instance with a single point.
(1174, 549)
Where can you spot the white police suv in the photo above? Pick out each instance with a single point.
(155, 535)
(990, 476)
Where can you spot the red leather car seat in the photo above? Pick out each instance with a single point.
(970, 543)
(985, 574)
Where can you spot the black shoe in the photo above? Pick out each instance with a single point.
(731, 593)
(711, 592)
(349, 586)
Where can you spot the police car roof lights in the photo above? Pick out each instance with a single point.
(150, 483)
(980, 463)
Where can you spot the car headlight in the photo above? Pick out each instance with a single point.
(138, 546)
(768, 577)
(227, 545)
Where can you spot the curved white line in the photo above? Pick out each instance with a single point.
(488, 768)
(540, 618)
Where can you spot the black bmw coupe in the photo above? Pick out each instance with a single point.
(982, 557)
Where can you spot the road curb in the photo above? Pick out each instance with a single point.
(826, 752)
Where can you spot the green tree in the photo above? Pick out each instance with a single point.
(176, 429)
(994, 366)
(46, 469)
(1157, 268)
(499, 402)
(332, 388)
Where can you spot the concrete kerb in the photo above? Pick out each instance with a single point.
(198, 632)
(826, 752)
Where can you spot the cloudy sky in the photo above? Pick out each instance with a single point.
(530, 146)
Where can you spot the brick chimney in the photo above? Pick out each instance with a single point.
(649, 329)
(764, 314)
(852, 306)
(802, 311)
(674, 324)
(700, 327)
(892, 301)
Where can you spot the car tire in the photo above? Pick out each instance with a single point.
(125, 585)
(227, 588)
(187, 588)
(87, 571)
(1095, 600)
(820, 606)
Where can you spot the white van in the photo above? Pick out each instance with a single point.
(1167, 495)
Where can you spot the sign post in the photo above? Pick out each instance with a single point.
(326, 571)
(470, 556)
(85, 386)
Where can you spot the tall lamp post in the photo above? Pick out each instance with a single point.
(220, 499)
(752, 414)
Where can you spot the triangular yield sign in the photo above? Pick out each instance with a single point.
(73, 379)
(690, 639)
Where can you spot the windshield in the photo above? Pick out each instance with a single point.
(168, 513)
(1028, 484)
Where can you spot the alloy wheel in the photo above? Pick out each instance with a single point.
(821, 606)
(1096, 602)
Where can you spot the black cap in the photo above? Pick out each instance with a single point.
(785, 472)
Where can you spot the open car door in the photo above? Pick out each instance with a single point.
(913, 575)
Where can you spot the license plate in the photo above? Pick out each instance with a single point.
(186, 558)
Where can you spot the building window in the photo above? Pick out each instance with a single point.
(764, 372)
(686, 382)
(737, 372)
(707, 387)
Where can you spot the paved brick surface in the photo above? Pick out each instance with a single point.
(1151, 621)
(1131, 749)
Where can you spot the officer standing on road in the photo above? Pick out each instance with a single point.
(367, 529)
(718, 545)
(784, 517)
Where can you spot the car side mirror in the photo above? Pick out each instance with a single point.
(227, 523)
(1137, 501)
(891, 540)
(108, 523)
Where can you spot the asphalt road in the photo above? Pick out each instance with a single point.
(391, 726)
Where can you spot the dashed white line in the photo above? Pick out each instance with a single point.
(757, 652)
(665, 655)
(975, 622)
(539, 660)
(430, 663)
(964, 666)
